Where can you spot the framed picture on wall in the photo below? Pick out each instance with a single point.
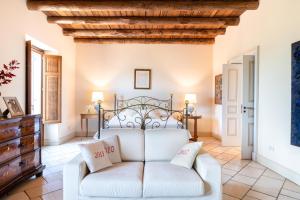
(142, 79)
(218, 89)
(13, 106)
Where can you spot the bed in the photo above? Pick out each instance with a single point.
(145, 113)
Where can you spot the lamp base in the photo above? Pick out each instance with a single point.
(191, 109)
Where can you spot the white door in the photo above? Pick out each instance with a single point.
(248, 106)
(231, 101)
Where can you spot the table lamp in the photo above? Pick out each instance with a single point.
(97, 99)
(190, 99)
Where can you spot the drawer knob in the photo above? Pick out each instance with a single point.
(22, 163)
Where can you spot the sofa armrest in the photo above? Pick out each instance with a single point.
(73, 173)
(210, 171)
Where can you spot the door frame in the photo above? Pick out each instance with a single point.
(237, 60)
(30, 47)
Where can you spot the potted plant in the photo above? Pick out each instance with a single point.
(7, 75)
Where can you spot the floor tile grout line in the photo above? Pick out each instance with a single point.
(281, 188)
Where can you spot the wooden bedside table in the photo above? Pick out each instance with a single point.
(87, 116)
(195, 118)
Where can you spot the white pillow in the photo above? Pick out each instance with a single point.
(185, 157)
(95, 156)
(111, 145)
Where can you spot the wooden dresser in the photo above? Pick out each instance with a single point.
(20, 150)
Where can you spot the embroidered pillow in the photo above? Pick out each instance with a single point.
(111, 145)
(185, 157)
(95, 156)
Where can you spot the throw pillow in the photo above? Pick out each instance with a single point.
(95, 156)
(111, 145)
(185, 157)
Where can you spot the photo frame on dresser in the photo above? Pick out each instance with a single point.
(13, 106)
(142, 79)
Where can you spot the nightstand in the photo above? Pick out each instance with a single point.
(87, 116)
(195, 118)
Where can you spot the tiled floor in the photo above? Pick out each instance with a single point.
(242, 179)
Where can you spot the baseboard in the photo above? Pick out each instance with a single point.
(283, 171)
(61, 140)
(203, 134)
(81, 134)
(217, 136)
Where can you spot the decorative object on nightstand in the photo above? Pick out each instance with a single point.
(195, 118)
(191, 100)
(97, 99)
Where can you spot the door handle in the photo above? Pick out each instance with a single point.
(245, 108)
(248, 108)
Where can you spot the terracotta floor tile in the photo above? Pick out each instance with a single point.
(268, 186)
(244, 179)
(251, 172)
(227, 197)
(44, 189)
(235, 189)
(289, 185)
(30, 183)
(272, 174)
(17, 196)
(260, 196)
(57, 195)
(289, 193)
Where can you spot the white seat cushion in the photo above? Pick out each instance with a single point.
(162, 179)
(121, 180)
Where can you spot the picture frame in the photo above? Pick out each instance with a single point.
(142, 79)
(13, 106)
(218, 89)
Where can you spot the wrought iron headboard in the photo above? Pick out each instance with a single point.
(164, 103)
(143, 109)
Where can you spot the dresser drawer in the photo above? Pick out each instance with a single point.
(29, 143)
(9, 131)
(29, 125)
(10, 171)
(9, 150)
(30, 121)
(30, 160)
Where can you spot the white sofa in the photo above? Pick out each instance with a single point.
(146, 171)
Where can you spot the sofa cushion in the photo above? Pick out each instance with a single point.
(162, 179)
(121, 180)
(163, 144)
(132, 144)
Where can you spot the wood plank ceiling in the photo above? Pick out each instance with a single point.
(144, 21)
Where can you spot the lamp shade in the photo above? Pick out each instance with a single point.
(97, 96)
(190, 98)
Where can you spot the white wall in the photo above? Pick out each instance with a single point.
(274, 27)
(176, 69)
(15, 22)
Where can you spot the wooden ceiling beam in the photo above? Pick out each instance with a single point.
(139, 33)
(207, 41)
(215, 21)
(142, 5)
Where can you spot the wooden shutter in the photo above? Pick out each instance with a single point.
(52, 89)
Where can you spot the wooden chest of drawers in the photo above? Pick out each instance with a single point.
(20, 150)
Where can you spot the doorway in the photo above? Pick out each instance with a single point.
(240, 104)
(36, 81)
